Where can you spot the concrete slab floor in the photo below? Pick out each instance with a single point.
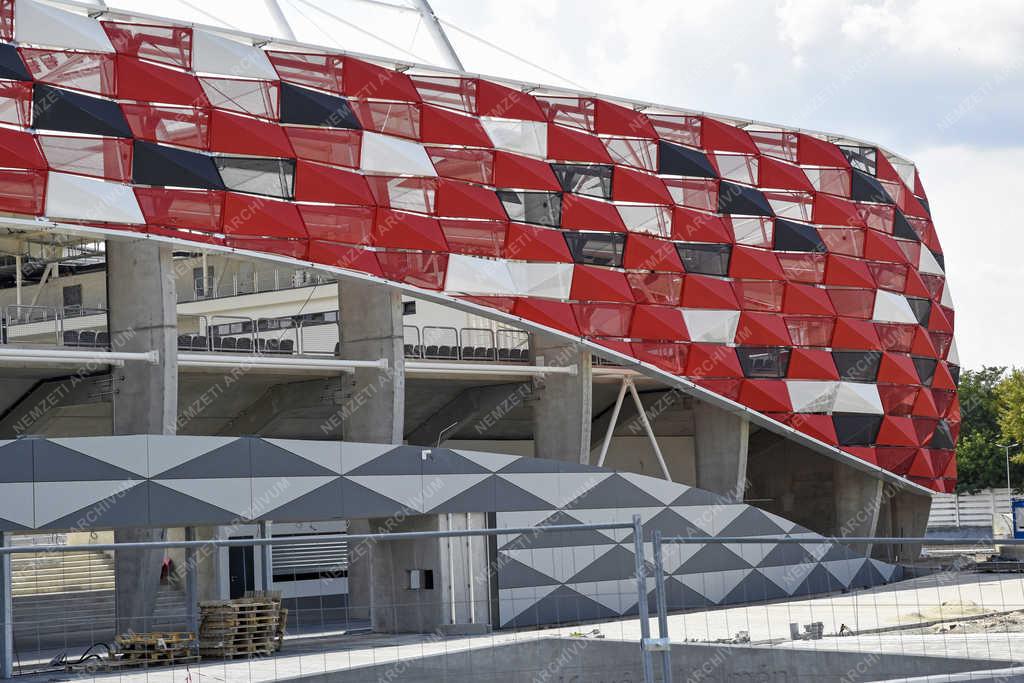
(941, 597)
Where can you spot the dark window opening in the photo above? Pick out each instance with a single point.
(857, 366)
(856, 429)
(597, 249)
(763, 361)
(538, 208)
(861, 158)
(268, 177)
(592, 180)
(706, 259)
(925, 369)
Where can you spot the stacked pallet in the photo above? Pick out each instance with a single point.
(252, 626)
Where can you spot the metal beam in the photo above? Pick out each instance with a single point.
(438, 34)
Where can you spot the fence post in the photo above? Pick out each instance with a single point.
(7, 609)
(191, 583)
(659, 592)
(266, 558)
(641, 585)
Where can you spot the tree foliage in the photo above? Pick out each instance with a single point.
(992, 410)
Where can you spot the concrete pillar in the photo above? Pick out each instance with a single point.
(371, 329)
(903, 514)
(359, 567)
(720, 444)
(266, 553)
(858, 498)
(141, 303)
(456, 600)
(562, 404)
(6, 612)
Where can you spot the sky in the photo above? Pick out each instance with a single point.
(940, 82)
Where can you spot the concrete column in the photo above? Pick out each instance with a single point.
(456, 601)
(562, 404)
(858, 498)
(141, 303)
(903, 514)
(360, 585)
(720, 444)
(371, 329)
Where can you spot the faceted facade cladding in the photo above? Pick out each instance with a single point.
(796, 275)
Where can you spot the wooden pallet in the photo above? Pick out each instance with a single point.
(245, 627)
(144, 650)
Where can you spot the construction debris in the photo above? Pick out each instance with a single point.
(143, 650)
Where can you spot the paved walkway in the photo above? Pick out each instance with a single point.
(920, 601)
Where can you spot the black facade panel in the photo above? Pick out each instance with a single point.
(857, 366)
(742, 200)
(11, 66)
(678, 160)
(154, 164)
(72, 112)
(866, 188)
(856, 429)
(307, 107)
(793, 236)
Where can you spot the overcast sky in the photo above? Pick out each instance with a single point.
(938, 81)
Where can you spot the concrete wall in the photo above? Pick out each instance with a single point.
(460, 594)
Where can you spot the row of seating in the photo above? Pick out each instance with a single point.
(87, 338)
(200, 342)
(440, 352)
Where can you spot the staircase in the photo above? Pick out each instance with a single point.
(65, 599)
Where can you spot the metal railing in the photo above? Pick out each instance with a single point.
(24, 650)
(236, 284)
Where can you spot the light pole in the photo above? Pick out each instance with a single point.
(1006, 448)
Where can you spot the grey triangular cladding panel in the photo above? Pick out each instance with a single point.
(612, 493)
(130, 507)
(150, 502)
(230, 461)
(561, 606)
(269, 460)
(173, 508)
(16, 457)
(53, 462)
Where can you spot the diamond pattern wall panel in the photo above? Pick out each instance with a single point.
(131, 481)
(572, 213)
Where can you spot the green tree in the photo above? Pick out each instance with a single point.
(1010, 393)
(980, 463)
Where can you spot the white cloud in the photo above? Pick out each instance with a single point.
(972, 193)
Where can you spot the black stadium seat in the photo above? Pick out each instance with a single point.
(87, 338)
(184, 342)
(70, 337)
(244, 344)
(287, 346)
(103, 339)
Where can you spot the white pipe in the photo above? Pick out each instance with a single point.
(470, 574)
(626, 381)
(78, 356)
(291, 362)
(438, 34)
(280, 19)
(17, 278)
(650, 432)
(491, 368)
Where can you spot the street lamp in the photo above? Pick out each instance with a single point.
(1006, 448)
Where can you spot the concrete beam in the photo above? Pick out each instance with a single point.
(721, 443)
(142, 316)
(34, 412)
(280, 400)
(371, 329)
(563, 405)
(475, 406)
